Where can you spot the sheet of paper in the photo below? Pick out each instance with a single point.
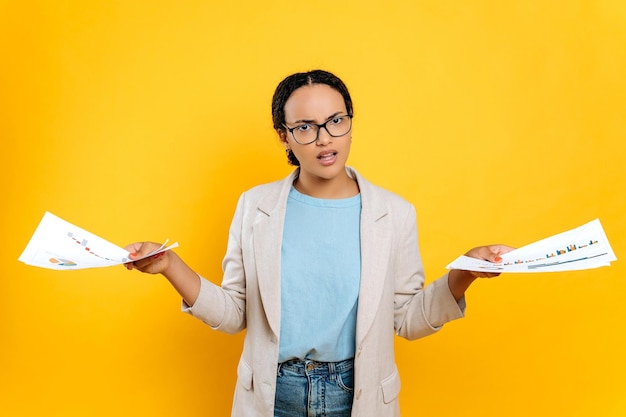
(584, 247)
(57, 244)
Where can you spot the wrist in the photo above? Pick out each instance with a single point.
(459, 281)
(170, 266)
(461, 276)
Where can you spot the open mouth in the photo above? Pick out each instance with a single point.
(326, 155)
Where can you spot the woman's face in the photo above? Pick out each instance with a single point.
(325, 158)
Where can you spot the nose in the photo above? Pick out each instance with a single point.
(323, 137)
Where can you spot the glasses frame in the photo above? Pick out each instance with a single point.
(319, 128)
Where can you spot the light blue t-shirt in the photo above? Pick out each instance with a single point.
(320, 277)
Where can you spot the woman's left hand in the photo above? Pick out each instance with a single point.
(460, 280)
(489, 253)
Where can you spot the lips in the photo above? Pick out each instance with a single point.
(326, 155)
(327, 158)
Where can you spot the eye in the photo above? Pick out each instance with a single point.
(303, 128)
(337, 120)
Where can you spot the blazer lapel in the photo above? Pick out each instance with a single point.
(268, 234)
(375, 247)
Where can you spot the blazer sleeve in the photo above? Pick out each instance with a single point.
(419, 311)
(224, 307)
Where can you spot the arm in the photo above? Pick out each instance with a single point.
(221, 307)
(422, 310)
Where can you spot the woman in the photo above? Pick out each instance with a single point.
(322, 268)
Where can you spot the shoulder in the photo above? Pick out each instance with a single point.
(376, 195)
(268, 195)
(261, 190)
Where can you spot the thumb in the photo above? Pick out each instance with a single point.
(139, 249)
(496, 250)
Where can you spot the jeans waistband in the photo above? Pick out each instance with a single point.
(302, 366)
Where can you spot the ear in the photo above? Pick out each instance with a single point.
(283, 136)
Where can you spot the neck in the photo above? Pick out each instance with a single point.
(339, 187)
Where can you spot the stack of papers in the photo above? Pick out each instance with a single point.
(585, 247)
(57, 244)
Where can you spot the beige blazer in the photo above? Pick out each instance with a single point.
(392, 296)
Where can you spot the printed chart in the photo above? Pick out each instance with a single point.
(57, 244)
(584, 247)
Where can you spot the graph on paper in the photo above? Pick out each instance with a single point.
(58, 244)
(584, 247)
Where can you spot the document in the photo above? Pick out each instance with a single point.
(57, 244)
(584, 247)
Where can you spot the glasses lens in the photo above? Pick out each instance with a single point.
(305, 134)
(339, 125)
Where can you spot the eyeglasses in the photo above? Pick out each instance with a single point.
(306, 133)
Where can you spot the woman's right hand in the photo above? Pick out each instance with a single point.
(168, 263)
(155, 264)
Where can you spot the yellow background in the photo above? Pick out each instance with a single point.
(502, 121)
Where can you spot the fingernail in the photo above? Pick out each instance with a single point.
(497, 259)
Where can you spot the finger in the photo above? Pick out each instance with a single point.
(486, 274)
(498, 250)
(136, 250)
(492, 253)
(501, 249)
(486, 253)
(140, 249)
(149, 264)
(133, 247)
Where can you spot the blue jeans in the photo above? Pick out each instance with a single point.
(306, 388)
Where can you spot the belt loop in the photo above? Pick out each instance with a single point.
(332, 371)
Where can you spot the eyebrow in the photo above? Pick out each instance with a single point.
(313, 121)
